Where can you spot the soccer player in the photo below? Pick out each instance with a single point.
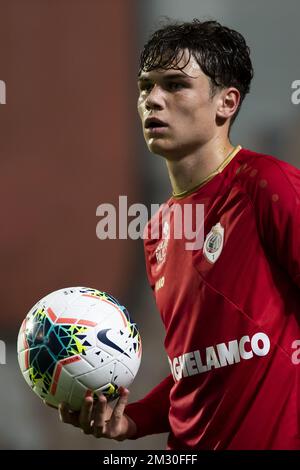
(231, 308)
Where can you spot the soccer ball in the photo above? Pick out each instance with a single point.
(77, 342)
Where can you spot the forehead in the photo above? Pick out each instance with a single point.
(187, 67)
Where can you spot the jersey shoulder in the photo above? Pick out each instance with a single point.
(266, 176)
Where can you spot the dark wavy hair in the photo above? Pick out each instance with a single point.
(221, 53)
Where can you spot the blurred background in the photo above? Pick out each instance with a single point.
(70, 140)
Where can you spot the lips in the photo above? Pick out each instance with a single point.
(154, 123)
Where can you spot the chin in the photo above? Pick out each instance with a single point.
(158, 148)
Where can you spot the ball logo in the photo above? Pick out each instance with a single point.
(213, 244)
(102, 336)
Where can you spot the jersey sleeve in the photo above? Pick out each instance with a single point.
(274, 190)
(151, 414)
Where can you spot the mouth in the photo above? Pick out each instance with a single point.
(155, 126)
(152, 123)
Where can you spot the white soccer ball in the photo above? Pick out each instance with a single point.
(77, 342)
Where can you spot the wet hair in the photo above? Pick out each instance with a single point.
(221, 53)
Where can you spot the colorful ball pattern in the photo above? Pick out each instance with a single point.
(77, 342)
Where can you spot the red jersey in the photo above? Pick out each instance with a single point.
(231, 310)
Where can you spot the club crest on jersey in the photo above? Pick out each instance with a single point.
(161, 250)
(213, 244)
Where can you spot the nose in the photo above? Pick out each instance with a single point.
(155, 98)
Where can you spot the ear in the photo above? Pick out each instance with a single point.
(228, 102)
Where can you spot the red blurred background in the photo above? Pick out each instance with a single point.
(66, 146)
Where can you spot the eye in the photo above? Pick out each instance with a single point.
(145, 87)
(175, 86)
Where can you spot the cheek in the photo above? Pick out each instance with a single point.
(140, 106)
(193, 116)
(204, 113)
(196, 121)
(193, 107)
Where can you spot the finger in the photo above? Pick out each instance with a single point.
(67, 415)
(85, 415)
(100, 416)
(118, 411)
(50, 405)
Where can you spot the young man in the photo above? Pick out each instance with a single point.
(231, 308)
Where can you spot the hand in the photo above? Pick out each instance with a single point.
(101, 419)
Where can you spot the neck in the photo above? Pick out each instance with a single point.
(194, 169)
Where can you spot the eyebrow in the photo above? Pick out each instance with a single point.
(182, 76)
